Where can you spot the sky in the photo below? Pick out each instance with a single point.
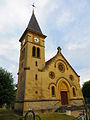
(65, 22)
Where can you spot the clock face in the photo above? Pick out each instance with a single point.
(36, 40)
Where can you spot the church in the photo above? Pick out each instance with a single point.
(44, 85)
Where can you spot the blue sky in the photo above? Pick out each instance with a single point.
(65, 22)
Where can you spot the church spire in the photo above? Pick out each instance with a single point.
(33, 25)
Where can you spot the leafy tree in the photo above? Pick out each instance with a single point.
(7, 88)
(86, 91)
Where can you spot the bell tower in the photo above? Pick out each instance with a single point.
(32, 58)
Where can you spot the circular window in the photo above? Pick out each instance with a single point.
(61, 67)
(71, 77)
(52, 75)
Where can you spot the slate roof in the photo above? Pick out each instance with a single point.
(33, 27)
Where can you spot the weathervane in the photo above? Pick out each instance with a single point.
(33, 7)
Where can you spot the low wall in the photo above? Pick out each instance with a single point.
(77, 102)
(42, 105)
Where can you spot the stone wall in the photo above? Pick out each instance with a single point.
(77, 102)
(41, 105)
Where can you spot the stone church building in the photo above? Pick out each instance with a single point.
(44, 85)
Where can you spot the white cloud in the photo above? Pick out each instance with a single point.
(76, 46)
(10, 49)
(64, 19)
(85, 75)
(13, 14)
(50, 50)
(69, 13)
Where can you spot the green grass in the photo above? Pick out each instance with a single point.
(9, 115)
(56, 116)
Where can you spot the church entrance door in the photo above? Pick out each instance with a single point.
(64, 98)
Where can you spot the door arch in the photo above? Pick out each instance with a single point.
(64, 92)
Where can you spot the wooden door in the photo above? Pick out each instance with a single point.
(64, 97)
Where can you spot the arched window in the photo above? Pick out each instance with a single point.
(53, 91)
(38, 52)
(74, 93)
(33, 51)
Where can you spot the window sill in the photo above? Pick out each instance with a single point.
(36, 57)
(53, 95)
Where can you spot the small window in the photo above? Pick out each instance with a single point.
(33, 51)
(22, 65)
(74, 93)
(38, 52)
(53, 91)
(52, 75)
(36, 92)
(36, 77)
(23, 53)
(71, 77)
(36, 63)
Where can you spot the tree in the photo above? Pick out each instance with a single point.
(86, 91)
(7, 88)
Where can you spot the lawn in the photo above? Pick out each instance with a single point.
(56, 116)
(9, 115)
